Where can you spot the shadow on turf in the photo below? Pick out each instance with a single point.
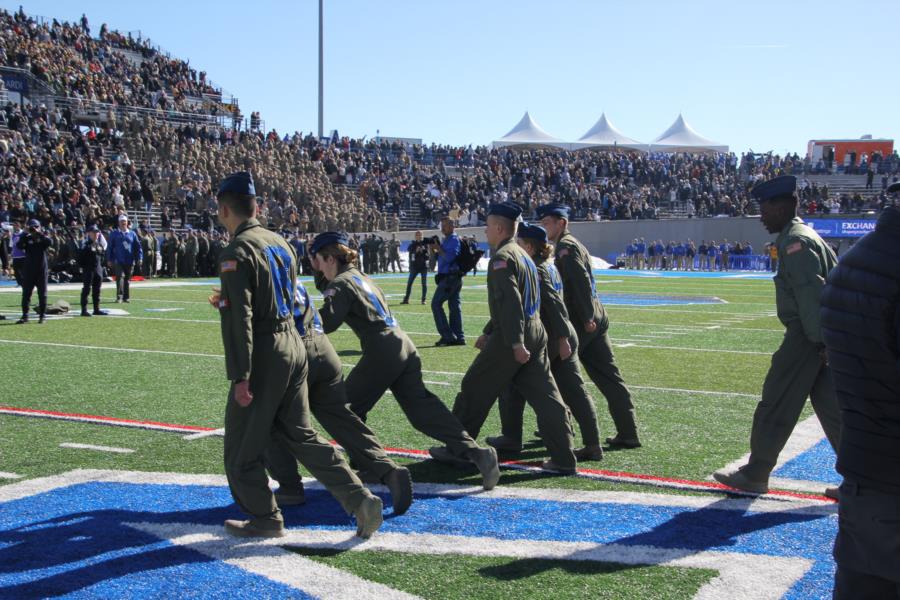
(685, 534)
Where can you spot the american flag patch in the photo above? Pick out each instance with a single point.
(795, 247)
(224, 303)
(563, 252)
(499, 264)
(228, 266)
(329, 292)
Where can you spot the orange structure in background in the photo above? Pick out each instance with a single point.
(847, 152)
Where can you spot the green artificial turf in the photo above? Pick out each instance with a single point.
(450, 577)
(167, 366)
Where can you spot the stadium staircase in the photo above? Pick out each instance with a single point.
(850, 185)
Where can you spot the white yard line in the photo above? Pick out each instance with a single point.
(112, 449)
(205, 434)
(806, 434)
(270, 560)
(110, 348)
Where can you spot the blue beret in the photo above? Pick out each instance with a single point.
(328, 238)
(780, 186)
(92, 228)
(552, 210)
(34, 223)
(510, 210)
(238, 183)
(530, 231)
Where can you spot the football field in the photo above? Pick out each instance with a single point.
(111, 477)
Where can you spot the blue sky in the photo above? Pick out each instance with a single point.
(763, 75)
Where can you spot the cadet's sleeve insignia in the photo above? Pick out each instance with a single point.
(563, 252)
(228, 266)
(224, 303)
(499, 264)
(795, 247)
(329, 292)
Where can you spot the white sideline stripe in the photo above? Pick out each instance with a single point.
(268, 559)
(651, 336)
(625, 345)
(634, 387)
(85, 347)
(30, 487)
(112, 449)
(8, 475)
(739, 575)
(205, 434)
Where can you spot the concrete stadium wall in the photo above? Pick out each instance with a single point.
(609, 237)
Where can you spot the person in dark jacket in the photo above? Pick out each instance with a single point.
(861, 329)
(34, 244)
(90, 259)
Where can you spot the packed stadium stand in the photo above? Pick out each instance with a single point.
(96, 124)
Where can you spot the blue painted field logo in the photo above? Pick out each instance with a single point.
(117, 534)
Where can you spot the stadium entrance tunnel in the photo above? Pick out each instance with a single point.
(623, 299)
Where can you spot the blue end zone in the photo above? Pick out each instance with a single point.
(75, 541)
(816, 464)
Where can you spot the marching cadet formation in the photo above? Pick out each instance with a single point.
(546, 322)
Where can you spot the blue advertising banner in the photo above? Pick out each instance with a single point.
(15, 83)
(842, 228)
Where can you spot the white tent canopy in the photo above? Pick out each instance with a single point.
(681, 137)
(605, 135)
(528, 134)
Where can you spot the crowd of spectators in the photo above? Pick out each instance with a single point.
(68, 174)
(72, 63)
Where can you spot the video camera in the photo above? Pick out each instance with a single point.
(432, 240)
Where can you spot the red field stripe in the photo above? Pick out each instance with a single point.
(99, 419)
(600, 474)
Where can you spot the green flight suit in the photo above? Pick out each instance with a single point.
(328, 403)
(566, 372)
(389, 359)
(258, 270)
(594, 349)
(191, 247)
(514, 303)
(797, 370)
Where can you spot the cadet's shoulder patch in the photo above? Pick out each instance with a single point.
(563, 252)
(228, 266)
(329, 292)
(499, 264)
(795, 247)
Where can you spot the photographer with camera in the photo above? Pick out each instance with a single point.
(90, 259)
(418, 264)
(34, 244)
(449, 285)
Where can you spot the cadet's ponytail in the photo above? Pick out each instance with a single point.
(541, 251)
(343, 254)
(546, 251)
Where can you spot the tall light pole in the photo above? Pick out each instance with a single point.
(321, 74)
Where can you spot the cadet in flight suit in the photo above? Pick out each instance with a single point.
(799, 368)
(34, 243)
(389, 358)
(589, 318)
(562, 346)
(266, 362)
(90, 259)
(513, 347)
(329, 405)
